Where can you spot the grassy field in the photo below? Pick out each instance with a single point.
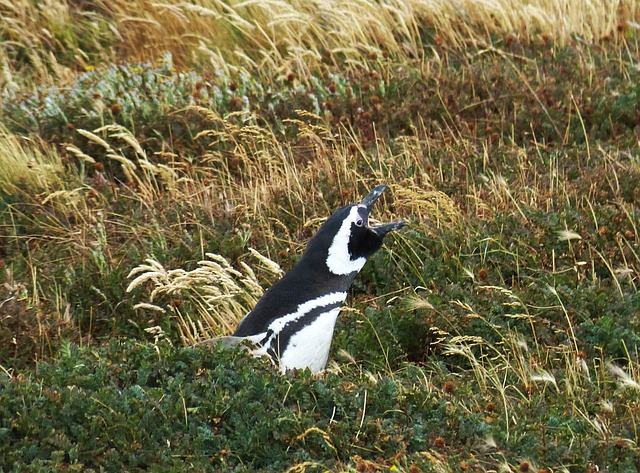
(161, 164)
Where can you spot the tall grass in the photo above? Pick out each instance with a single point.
(281, 37)
(28, 165)
(222, 295)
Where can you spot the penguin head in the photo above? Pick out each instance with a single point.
(349, 238)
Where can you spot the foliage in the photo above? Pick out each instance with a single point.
(138, 405)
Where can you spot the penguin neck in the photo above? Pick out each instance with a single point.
(314, 272)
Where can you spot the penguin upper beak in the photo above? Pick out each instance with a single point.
(373, 196)
(368, 202)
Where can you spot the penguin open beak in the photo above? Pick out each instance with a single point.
(368, 202)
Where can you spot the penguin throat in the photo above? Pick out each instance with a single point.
(339, 259)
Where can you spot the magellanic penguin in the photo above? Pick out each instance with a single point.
(293, 322)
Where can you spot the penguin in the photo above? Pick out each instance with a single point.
(293, 322)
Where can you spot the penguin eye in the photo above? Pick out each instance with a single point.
(359, 222)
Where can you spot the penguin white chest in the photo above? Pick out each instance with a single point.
(309, 347)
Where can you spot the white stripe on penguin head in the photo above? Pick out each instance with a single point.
(339, 259)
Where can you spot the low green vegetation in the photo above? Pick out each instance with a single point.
(157, 177)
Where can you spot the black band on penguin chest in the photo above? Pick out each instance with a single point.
(282, 339)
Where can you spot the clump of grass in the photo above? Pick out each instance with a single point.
(51, 42)
(28, 165)
(220, 294)
(27, 333)
(427, 204)
(131, 162)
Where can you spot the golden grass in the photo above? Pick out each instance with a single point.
(278, 36)
(263, 177)
(28, 165)
(221, 294)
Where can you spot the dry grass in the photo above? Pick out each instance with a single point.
(280, 37)
(28, 165)
(221, 294)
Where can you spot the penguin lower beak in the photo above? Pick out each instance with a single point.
(382, 230)
(368, 202)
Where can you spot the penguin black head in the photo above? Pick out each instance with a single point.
(348, 238)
